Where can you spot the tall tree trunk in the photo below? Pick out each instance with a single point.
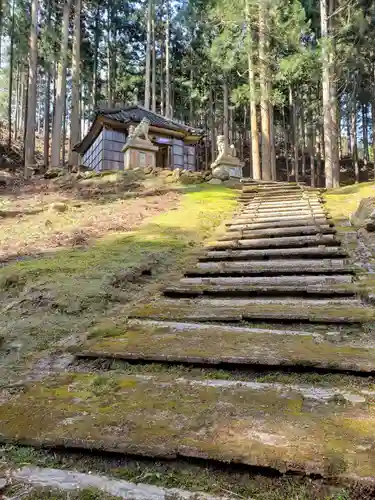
(365, 133)
(10, 94)
(1, 28)
(264, 96)
(327, 119)
(64, 134)
(47, 97)
(226, 116)
(96, 56)
(293, 110)
(333, 95)
(109, 57)
(303, 138)
(212, 124)
(373, 116)
(310, 146)
(353, 140)
(272, 144)
(148, 55)
(167, 64)
(191, 106)
(60, 89)
(348, 131)
(31, 98)
(254, 133)
(46, 127)
(153, 62)
(162, 105)
(286, 144)
(318, 150)
(17, 107)
(75, 116)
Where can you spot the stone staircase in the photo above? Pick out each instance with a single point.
(276, 292)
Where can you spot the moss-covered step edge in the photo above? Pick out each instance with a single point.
(279, 242)
(299, 265)
(300, 428)
(236, 310)
(215, 344)
(271, 233)
(235, 226)
(257, 290)
(275, 253)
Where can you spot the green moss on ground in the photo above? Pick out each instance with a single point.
(27, 493)
(45, 300)
(161, 417)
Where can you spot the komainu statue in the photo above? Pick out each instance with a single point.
(140, 131)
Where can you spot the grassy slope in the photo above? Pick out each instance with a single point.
(342, 202)
(47, 299)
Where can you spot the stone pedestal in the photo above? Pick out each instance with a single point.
(139, 153)
(227, 166)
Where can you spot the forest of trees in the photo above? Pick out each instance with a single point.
(292, 78)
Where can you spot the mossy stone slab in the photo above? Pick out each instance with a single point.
(300, 428)
(314, 311)
(215, 344)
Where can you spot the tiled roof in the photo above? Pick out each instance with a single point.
(133, 114)
(136, 113)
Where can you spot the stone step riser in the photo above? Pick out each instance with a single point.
(276, 225)
(274, 291)
(266, 212)
(280, 232)
(282, 206)
(294, 242)
(270, 254)
(244, 219)
(267, 278)
(288, 263)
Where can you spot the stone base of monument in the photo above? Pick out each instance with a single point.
(226, 167)
(139, 153)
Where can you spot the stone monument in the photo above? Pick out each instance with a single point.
(139, 150)
(226, 164)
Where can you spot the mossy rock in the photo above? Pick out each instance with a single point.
(364, 212)
(191, 178)
(53, 173)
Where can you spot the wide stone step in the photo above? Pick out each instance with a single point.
(284, 211)
(236, 310)
(280, 205)
(260, 210)
(234, 226)
(274, 232)
(268, 277)
(281, 242)
(216, 344)
(259, 289)
(244, 218)
(276, 266)
(271, 202)
(273, 189)
(310, 429)
(314, 265)
(274, 253)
